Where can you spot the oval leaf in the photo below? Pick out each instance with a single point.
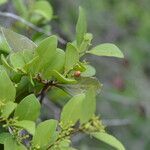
(28, 108)
(108, 139)
(81, 26)
(88, 105)
(71, 57)
(8, 109)
(106, 49)
(44, 132)
(5, 86)
(27, 125)
(44, 9)
(72, 111)
(16, 41)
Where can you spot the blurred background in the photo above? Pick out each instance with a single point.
(124, 103)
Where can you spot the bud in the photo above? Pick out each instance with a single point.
(77, 73)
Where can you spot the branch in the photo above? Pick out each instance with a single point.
(29, 24)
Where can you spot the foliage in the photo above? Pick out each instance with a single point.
(28, 71)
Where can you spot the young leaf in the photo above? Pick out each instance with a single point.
(81, 27)
(56, 64)
(88, 105)
(108, 139)
(89, 72)
(16, 41)
(106, 49)
(46, 52)
(27, 125)
(44, 9)
(8, 109)
(61, 79)
(28, 108)
(5, 86)
(72, 111)
(43, 133)
(86, 42)
(71, 57)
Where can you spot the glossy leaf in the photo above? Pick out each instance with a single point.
(108, 139)
(8, 109)
(16, 41)
(81, 26)
(88, 105)
(5, 86)
(44, 133)
(72, 111)
(106, 49)
(71, 57)
(27, 125)
(28, 108)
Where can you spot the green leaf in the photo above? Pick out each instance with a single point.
(71, 57)
(5, 86)
(44, 132)
(44, 9)
(89, 72)
(20, 8)
(27, 125)
(5, 63)
(8, 109)
(106, 49)
(108, 139)
(28, 108)
(11, 144)
(86, 42)
(81, 27)
(46, 52)
(61, 79)
(88, 105)
(56, 64)
(21, 58)
(4, 47)
(4, 136)
(72, 111)
(16, 41)
(83, 84)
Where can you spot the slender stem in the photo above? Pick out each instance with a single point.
(29, 24)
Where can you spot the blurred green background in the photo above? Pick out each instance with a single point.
(124, 103)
